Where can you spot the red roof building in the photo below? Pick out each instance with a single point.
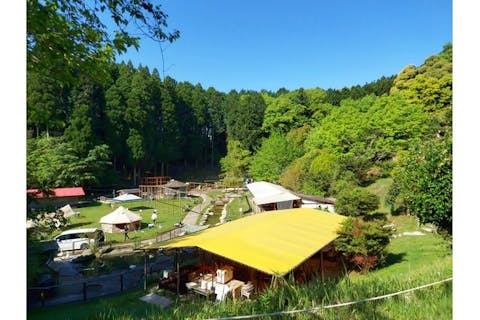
(58, 192)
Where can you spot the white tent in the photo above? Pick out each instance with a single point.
(127, 197)
(116, 220)
(67, 211)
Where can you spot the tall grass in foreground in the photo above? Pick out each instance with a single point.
(429, 303)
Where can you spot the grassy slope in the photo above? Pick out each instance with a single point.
(380, 188)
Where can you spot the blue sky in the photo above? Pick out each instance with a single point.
(304, 43)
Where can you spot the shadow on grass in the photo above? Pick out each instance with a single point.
(393, 258)
(86, 204)
(78, 225)
(139, 208)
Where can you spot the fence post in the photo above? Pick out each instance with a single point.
(84, 292)
(145, 270)
(121, 282)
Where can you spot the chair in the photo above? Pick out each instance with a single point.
(221, 290)
(247, 290)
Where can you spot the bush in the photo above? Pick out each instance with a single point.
(363, 243)
(356, 202)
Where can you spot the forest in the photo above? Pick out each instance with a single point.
(115, 129)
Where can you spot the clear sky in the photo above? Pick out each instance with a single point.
(269, 44)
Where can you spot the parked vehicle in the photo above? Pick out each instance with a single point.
(79, 239)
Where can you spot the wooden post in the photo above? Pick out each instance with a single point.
(321, 265)
(145, 270)
(344, 266)
(177, 264)
(178, 271)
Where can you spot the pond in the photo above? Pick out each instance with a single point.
(108, 264)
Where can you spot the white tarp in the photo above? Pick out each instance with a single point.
(119, 216)
(127, 197)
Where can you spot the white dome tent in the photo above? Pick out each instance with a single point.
(116, 220)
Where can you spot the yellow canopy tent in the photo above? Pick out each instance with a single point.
(273, 242)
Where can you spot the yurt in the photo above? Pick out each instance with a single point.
(116, 220)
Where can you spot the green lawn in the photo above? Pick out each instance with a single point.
(170, 211)
(233, 209)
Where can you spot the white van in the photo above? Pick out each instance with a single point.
(79, 239)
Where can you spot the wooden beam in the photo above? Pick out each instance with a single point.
(321, 265)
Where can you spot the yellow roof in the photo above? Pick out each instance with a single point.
(274, 242)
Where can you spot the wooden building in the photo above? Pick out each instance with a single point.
(58, 197)
(259, 248)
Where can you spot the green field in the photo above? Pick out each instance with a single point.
(412, 261)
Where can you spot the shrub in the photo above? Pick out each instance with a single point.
(363, 243)
(356, 202)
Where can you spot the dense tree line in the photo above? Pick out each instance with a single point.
(147, 124)
(153, 125)
(91, 121)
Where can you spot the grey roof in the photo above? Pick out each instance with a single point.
(316, 198)
(133, 190)
(175, 184)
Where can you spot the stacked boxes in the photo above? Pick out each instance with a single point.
(225, 274)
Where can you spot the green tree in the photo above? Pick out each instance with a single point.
(430, 85)
(423, 183)
(378, 87)
(67, 37)
(244, 120)
(235, 164)
(116, 128)
(294, 109)
(52, 162)
(216, 131)
(85, 127)
(283, 115)
(356, 202)
(138, 112)
(46, 103)
(323, 170)
(170, 142)
(366, 132)
(274, 155)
